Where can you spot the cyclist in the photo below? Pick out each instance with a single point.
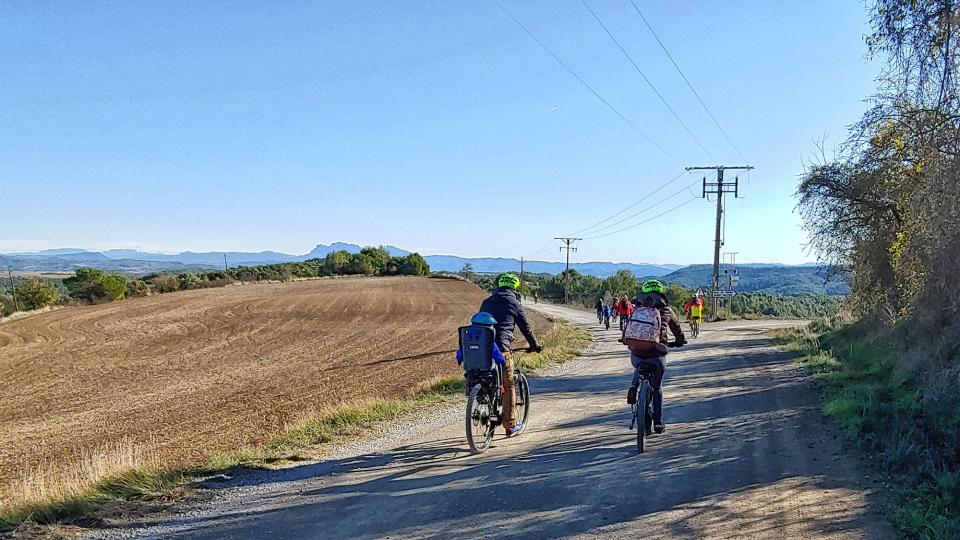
(606, 316)
(624, 309)
(599, 308)
(695, 313)
(505, 308)
(652, 295)
(615, 307)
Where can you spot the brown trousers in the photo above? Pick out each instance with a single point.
(509, 396)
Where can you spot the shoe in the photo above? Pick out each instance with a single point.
(632, 395)
(659, 428)
(516, 430)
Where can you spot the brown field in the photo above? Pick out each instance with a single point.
(180, 376)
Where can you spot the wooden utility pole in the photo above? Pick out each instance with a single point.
(521, 269)
(13, 289)
(566, 278)
(718, 188)
(225, 267)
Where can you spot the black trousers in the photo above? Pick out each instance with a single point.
(657, 367)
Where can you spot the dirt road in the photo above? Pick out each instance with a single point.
(745, 456)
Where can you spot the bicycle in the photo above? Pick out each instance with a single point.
(694, 326)
(600, 316)
(606, 321)
(640, 398)
(484, 402)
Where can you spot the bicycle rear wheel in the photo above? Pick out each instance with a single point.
(478, 425)
(643, 414)
(521, 398)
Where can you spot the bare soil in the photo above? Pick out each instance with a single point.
(184, 375)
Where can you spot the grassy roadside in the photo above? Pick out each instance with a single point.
(883, 411)
(148, 488)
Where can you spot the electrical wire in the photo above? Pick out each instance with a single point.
(647, 80)
(645, 197)
(687, 81)
(584, 83)
(639, 212)
(635, 225)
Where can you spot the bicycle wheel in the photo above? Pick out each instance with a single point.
(521, 398)
(643, 408)
(478, 426)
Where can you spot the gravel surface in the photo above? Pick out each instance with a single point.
(746, 455)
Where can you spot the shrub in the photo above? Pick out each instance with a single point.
(96, 286)
(165, 283)
(6, 305)
(35, 293)
(138, 288)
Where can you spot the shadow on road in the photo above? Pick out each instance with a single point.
(744, 456)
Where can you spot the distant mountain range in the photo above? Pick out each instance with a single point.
(134, 261)
(773, 278)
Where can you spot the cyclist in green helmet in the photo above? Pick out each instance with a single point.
(653, 295)
(504, 305)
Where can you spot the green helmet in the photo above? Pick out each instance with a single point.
(508, 281)
(652, 286)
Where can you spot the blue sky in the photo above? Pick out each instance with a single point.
(434, 126)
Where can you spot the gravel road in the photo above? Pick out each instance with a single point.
(746, 455)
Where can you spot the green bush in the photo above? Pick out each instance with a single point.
(6, 305)
(165, 283)
(96, 286)
(35, 293)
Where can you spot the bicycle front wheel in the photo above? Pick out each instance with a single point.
(478, 425)
(521, 398)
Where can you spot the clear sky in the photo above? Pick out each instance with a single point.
(436, 126)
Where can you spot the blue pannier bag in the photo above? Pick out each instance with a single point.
(476, 346)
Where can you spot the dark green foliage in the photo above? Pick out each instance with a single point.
(35, 293)
(96, 286)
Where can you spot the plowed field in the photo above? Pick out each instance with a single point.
(186, 374)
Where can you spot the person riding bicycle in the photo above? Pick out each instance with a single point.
(624, 309)
(505, 308)
(599, 308)
(606, 315)
(615, 306)
(652, 295)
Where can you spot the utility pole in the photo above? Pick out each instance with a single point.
(13, 289)
(521, 269)
(718, 188)
(225, 267)
(566, 278)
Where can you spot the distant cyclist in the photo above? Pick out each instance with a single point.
(624, 309)
(694, 310)
(652, 295)
(505, 307)
(599, 307)
(615, 307)
(606, 316)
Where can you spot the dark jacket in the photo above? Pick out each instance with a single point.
(506, 309)
(668, 321)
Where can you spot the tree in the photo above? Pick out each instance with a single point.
(96, 286)
(623, 282)
(35, 293)
(379, 258)
(467, 271)
(415, 265)
(336, 262)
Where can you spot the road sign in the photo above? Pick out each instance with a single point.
(724, 294)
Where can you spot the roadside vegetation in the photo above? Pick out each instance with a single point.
(126, 479)
(885, 211)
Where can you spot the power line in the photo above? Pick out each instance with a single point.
(635, 225)
(639, 212)
(645, 197)
(690, 86)
(583, 82)
(647, 80)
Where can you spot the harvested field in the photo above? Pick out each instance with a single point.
(179, 376)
